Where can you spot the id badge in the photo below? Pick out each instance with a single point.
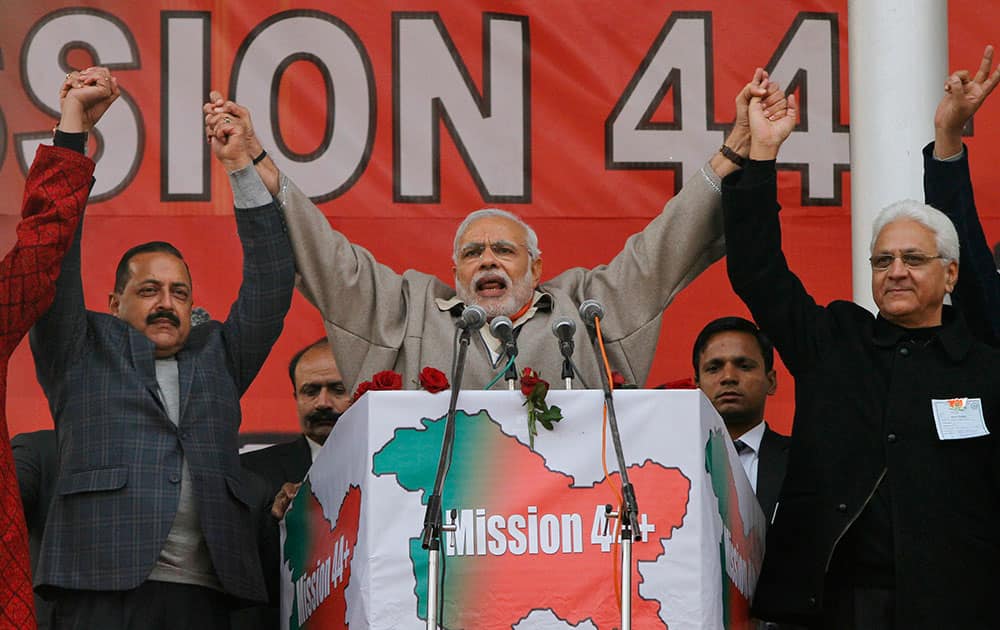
(959, 418)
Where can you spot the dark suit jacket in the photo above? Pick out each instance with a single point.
(948, 187)
(260, 617)
(273, 466)
(120, 455)
(771, 463)
(36, 456)
(281, 463)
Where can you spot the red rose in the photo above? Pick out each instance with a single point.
(362, 388)
(617, 379)
(387, 380)
(433, 380)
(528, 381)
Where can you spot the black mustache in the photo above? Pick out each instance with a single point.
(323, 415)
(170, 316)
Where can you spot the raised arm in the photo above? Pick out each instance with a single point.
(332, 271)
(681, 242)
(256, 318)
(948, 187)
(757, 268)
(55, 196)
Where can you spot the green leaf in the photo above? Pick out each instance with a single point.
(549, 416)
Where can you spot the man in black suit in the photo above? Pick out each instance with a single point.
(734, 366)
(320, 398)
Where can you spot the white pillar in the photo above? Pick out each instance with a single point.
(898, 65)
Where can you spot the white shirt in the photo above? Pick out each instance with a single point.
(751, 455)
(313, 448)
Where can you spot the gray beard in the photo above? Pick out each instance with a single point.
(518, 294)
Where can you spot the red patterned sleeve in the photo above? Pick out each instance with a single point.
(55, 195)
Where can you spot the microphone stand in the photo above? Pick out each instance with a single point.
(630, 513)
(567, 373)
(564, 329)
(510, 351)
(431, 539)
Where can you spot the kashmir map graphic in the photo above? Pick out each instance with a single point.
(321, 572)
(739, 551)
(529, 543)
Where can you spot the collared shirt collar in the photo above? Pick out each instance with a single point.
(953, 334)
(540, 301)
(313, 447)
(753, 437)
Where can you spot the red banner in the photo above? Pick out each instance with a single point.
(583, 117)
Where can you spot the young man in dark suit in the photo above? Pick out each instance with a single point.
(734, 367)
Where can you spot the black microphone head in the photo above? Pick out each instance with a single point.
(199, 316)
(589, 310)
(564, 328)
(473, 318)
(502, 328)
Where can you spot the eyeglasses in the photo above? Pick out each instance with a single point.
(503, 250)
(912, 260)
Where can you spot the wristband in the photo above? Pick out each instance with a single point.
(263, 154)
(729, 154)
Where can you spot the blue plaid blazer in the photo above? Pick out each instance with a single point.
(119, 453)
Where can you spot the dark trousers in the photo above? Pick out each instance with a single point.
(151, 606)
(858, 608)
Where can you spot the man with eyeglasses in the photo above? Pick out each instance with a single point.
(888, 514)
(379, 320)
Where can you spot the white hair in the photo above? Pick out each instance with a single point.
(931, 218)
(531, 239)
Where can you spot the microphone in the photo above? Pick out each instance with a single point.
(589, 310)
(199, 316)
(503, 329)
(473, 318)
(564, 329)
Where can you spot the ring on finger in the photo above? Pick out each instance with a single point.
(227, 120)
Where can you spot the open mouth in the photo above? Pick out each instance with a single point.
(491, 286)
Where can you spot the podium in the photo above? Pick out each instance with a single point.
(532, 546)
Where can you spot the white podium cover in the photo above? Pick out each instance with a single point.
(533, 549)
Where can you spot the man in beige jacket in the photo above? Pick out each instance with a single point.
(379, 320)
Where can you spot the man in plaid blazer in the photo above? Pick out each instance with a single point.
(150, 526)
